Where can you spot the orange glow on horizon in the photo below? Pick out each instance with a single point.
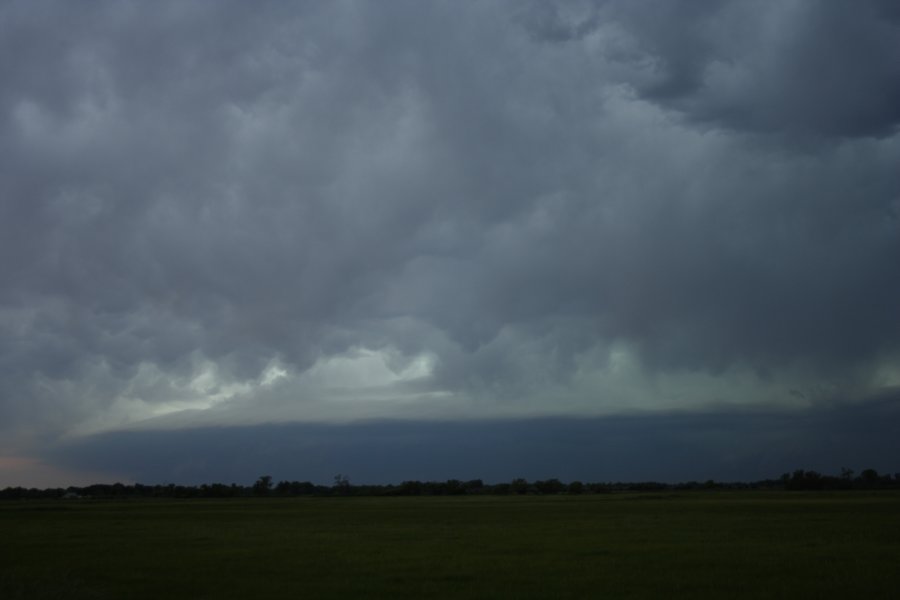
(32, 472)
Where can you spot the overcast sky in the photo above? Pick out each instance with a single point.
(219, 216)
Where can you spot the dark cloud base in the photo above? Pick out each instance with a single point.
(672, 447)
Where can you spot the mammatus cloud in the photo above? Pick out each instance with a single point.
(217, 214)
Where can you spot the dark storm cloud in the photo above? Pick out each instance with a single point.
(191, 193)
(800, 67)
(665, 447)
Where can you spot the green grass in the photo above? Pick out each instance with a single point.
(692, 545)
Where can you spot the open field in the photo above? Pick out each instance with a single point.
(689, 545)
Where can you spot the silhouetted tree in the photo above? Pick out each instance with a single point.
(474, 486)
(263, 485)
(341, 484)
(869, 478)
(549, 486)
(518, 486)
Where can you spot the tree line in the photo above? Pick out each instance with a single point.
(265, 486)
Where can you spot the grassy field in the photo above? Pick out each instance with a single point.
(690, 545)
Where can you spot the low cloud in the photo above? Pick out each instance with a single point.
(722, 445)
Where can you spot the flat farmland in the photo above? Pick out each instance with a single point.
(681, 545)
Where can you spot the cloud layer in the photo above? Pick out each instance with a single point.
(225, 214)
(748, 446)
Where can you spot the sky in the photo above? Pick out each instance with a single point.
(597, 240)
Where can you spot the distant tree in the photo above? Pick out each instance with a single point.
(295, 488)
(501, 489)
(453, 487)
(869, 478)
(410, 488)
(549, 486)
(518, 486)
(576, 487)
(341, 484)
(806, 480)
(263, 485)
(474, 486)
